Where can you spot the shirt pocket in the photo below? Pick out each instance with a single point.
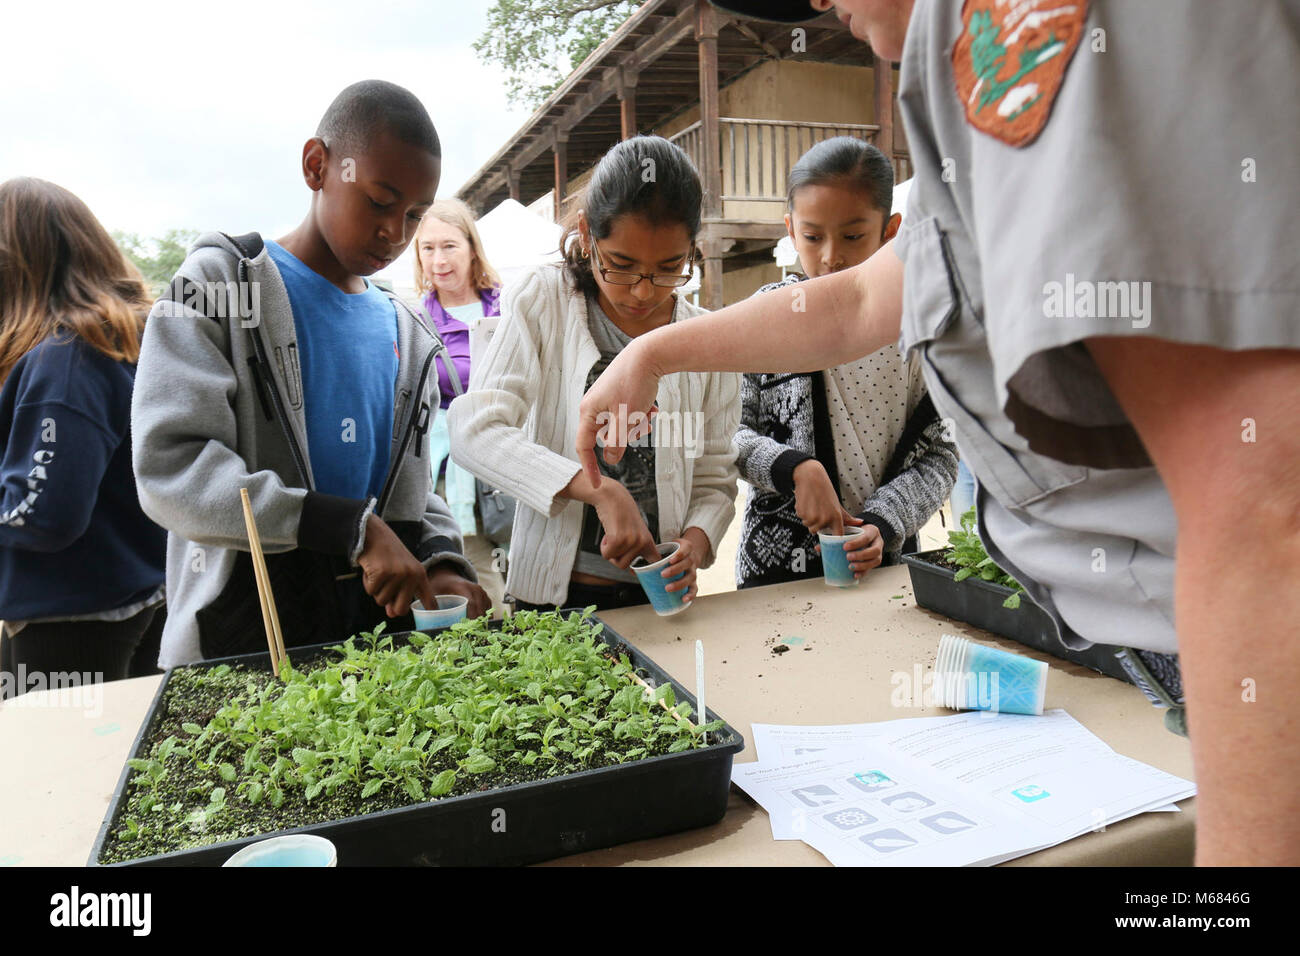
(930, 299)
(399, 411)
(936, 313)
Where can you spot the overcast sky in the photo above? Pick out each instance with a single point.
(176, 114)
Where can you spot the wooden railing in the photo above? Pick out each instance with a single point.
(757, 154)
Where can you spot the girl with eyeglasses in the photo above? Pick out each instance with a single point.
(627, 249)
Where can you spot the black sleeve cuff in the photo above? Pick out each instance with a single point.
(331, 524)
(435, 545)
(440, 550)
(892, 537)
(783, 469)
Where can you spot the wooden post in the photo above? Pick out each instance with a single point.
(512, 178)
(561, 148)
(627, 104)
(883, 80)
(711, 276)
(706, 35)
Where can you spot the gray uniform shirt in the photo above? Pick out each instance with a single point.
(1146, 204)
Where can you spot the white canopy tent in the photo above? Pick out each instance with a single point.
(515, 240)
(901, 192)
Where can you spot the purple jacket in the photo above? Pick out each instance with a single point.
(455, 335)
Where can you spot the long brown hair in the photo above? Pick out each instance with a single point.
(455, 213)
(60, 271)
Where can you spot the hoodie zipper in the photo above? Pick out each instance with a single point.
(281, 416)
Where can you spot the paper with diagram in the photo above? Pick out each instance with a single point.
(968, 789)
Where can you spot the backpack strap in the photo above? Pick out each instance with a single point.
(441, 351)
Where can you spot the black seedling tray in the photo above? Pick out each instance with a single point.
(979, 602)
(543, 819)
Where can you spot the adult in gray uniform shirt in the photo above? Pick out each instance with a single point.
(1101, 282)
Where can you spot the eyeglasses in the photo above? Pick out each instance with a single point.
(615, 277)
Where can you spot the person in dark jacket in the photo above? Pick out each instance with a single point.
(81, 567)
(860, 442)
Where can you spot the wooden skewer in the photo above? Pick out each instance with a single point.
(270, 618)
(651, 692)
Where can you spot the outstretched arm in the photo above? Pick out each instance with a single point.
(799, 328)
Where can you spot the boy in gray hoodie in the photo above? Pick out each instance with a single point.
(276, 367)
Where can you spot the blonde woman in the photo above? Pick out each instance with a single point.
(458, 286)
(81, 567)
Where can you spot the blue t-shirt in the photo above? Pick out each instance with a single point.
(347, 346)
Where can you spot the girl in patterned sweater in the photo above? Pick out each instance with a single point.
(859, 444)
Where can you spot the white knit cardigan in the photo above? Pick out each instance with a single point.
(516, 428)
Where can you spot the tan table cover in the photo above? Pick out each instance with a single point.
(63, 762)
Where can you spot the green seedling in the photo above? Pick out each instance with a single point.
(966, 552)
(378, 726)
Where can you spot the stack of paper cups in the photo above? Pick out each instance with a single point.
(970, 676)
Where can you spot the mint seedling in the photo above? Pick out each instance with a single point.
(966, 553)
(375, 726)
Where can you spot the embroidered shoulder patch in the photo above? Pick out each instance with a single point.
(1010, 60)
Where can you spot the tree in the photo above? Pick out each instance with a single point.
(157, 259)
(540, 42)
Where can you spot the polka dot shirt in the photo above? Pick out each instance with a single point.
(869, 402)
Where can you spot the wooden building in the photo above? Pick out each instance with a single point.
(744, 99)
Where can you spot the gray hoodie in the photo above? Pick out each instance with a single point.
(218, 406)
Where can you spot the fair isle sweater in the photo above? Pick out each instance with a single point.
(517, 427)
(876, 434)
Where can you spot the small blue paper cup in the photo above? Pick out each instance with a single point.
(835, 563)
(451, 608)
(653, 582)
(975, 677)
(297, 849)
